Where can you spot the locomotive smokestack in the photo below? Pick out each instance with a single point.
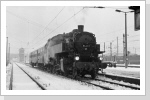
(80, 28)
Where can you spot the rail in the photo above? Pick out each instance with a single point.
(32, 78)
(122, 78)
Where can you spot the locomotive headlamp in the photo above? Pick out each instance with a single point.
(77, 58)
(101, 58)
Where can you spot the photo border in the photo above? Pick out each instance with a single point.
(73, 3)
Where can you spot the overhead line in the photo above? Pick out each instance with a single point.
(16, 39)
(25, 19)
(115, 31)
(49, 23)
(60, 25)
(120, 38)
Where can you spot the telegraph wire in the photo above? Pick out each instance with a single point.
(120, 38)
(116, 31)
(16, 39)
(26, 20)
(60, 25)
(49, 23)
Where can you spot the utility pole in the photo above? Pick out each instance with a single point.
(104, 50)
(117, 49)
(6, 51)
(114, 58)
(126, 51)
(110, 50)
(123, 48)
(104, 46)
(9, 54)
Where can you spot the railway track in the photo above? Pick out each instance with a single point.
(131, 80)
(124, 85)
(108, 85)
(97, 85)
(11, 79)
(97, 81)
(122, 78)
(80, 80)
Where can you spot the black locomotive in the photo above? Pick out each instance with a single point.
(74, 53)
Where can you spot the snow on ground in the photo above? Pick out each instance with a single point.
(55, 82)
(125, 69)
(116, 81)
(8, 75)
(112, 86)
(131, 72)
(129, 65)
(21, 81)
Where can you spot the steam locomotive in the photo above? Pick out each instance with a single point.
(74, 53)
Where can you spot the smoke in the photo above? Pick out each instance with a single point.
(80, 18)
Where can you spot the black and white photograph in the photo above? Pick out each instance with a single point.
(74, 47)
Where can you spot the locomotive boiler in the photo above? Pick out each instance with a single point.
(74, 53)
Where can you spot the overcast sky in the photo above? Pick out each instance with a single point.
(30, 27)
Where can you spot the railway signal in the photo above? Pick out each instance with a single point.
(136, 17)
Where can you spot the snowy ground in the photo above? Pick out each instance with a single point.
(131, 72)
(129, 65)
(116, 81)
(8, 74)
(54, 82)
(21, 81)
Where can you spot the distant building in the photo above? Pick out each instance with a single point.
(21, 54)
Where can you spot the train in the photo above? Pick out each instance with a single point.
(75, 53)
